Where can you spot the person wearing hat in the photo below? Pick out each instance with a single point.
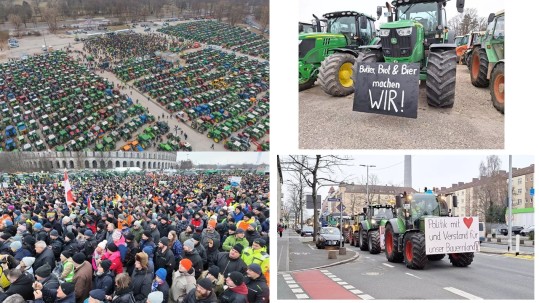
(142, 278)
(26, 265)
(113, 254)
(251, 233)
(97, 296)
(64, 294)
(237, 238)
(5, 243)
(190, 252)
(44, 279)
(132, 250)
(231, 261)
(211, 233)
(44, 255)
(98, 253)
(83, 277)
(236, 291)
(21, 284)
(216, 278)
(68, 266)
(246, 220)
(187, 233)
(183, 281)
(89, 244)
(147, 241)
(202, 293)
(163, 226)
(56, 243)
(104, 278)
(100, 232)
(197, 238)
(257, 286)
(164, 258)
(137, 231)
(39, 233)
(257, 254)
(160, 284)
(70, 243)
(156, 297)
(155, 231)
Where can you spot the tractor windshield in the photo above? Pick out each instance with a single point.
(424, 205)
(424, 13)
(342, 25)
(382, 213)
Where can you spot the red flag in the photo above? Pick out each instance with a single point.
(68, 193)
(89, 203)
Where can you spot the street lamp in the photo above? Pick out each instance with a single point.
(367, 166)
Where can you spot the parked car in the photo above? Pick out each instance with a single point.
(307, 231)
(527, 231)
(147, 29)
(328, 236)
(515, 230)
(13, 45)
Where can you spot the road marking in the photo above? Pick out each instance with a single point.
(311, 246)
(342, 283)
(462, 293)
(413, 275)
(302, 296)
(324, 270)
(356, 291)
(296, 290)
(366, 297)
(293, 285)
(348, 286)
(388, 265)
(336, 279)
(290, 281)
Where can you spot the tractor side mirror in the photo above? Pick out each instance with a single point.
(460, 6)
(378, 12)
(491, 17)
(454, 201)
(363, 22)
(398, 201)
(364, 210)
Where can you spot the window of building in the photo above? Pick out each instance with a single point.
(519, 180)
(520, 191)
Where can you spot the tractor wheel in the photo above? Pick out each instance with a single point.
(479, 67)
(374, 242)
(415, 255)
(363, 240)
(303, 85)
(441, 78)
(461, 260)
(392, 245)
(437, 257)
(216, 140)
(367, 58)
(497, 87)
(335, 75)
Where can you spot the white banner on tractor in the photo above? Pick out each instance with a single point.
(448, 235)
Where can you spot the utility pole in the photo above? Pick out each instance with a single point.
(367, 166)
(510, 202)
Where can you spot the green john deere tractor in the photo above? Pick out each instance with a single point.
(488, 59)
(405, 234)
(416, 32)
(376, 215)
(346, 30)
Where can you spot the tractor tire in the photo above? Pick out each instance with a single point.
(356, 239)
(437, 257)
(367, 58)
(307, 84)
(462, 259)
(374, 242)
(335, 75)
(441, 78)
(415, 255)
(479, 67)
(363, 240)
(392, 245)
(497, 87)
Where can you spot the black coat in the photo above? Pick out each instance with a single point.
(165, 260)
(229, 296)
(203, 255)
(45, 257)
(227, 265)
(100, 236)
(123, 296)
(142, 284)
(196, 260)
(89, 247)
(258, 290)
(251, 235)
(191, 297)
(57, 247)
(105, 282)
(50, 286)
(22, 286)
(164, 229)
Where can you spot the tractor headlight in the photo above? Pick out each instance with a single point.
(407, 31)
(384, 32)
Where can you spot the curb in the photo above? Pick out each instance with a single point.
(356, 255)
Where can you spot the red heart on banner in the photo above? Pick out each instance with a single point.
(468, 221)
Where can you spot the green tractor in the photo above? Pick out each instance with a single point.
(416, 33)
(376, 215)
(344, 34)
(405, 234)
(488, 59)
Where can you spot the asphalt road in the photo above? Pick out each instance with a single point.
(327, 122)
(490, 276)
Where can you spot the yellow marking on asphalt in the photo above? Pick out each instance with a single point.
(524, 257)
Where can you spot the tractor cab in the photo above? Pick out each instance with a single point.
(415, 207)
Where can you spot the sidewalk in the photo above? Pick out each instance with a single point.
(300, 253)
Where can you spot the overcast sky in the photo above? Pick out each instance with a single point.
(319, 7)
(429, 171)
(224, 157)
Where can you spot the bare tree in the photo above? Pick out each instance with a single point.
(467, 22)
(316, 171)
(51, 17)
(16, 20)
(491, 192)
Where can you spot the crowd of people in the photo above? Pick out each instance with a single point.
(136, 238)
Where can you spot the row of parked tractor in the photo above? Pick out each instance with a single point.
(335, 45)
(49, 102)
(221, 34)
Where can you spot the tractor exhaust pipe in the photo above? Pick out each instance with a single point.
(317, 24)
(389, 12)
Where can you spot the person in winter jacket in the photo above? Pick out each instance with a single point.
(160, 284)
(119, 241)
(101, 233)
(187, 233)
(251, 233)
(238, 214)
(257, 254)
(216, 278)
(210, 233)
(113, 255)
(175, 245)
(211, 252)
(70, 243)
(44, 255)
(197, 222)
(231, 261)
(201, 250)
(202, 293)
(104, 278)
(124, 290)
(137, 231)
(21, 283)
(147, 241)
(191, 253)
(257, 286)
(237, 238)
(132, 250)
(99, 251)
(26, 265)
(183, 281)
(155, 231)
(64, 294)
(148, 251)
(44, 279)
(18, 251)
(163, 227)
(141, 278)
(57, 244)
(164, 258)
(236, 291)
(82, 278)
(89, 245)
(68, 268)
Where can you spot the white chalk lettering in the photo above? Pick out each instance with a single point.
(386, 84)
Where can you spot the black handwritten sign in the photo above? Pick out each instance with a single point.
(387, 89)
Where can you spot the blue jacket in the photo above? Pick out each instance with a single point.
(238, 217)
(21, 253)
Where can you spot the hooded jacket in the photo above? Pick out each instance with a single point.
(227, 265)
(116, 260)
(191, 297)
(105, 282)
(237, 294)
(196, 260)
(141, 280)
(258, 291)
(233, 240)
(22, 286)
(182, 283)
